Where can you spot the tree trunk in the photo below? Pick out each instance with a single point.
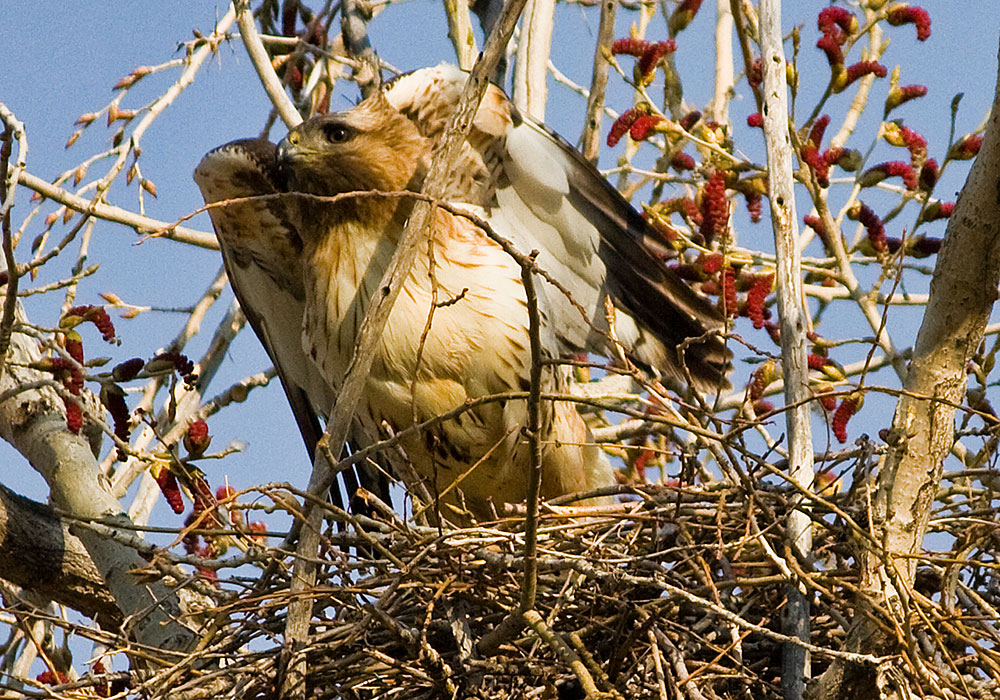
(962, 293)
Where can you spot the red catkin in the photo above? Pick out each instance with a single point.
(872, 223)
(892, 168)
(756, 295)
(623, 123)
(832, 18)
(902, 13)
(829, 45)
(171, 491)
(860, 70)
(644, 126)
(714, 209)
(682, 161)
(197, 439)
(729, 291)
(967, 148)
(847, 408)
(902, 94)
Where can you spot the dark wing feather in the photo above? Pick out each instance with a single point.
(538, 190)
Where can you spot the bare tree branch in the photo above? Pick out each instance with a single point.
(792, 312)
(39, 553)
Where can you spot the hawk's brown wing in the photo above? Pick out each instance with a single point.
(262, 253)
(536, 189)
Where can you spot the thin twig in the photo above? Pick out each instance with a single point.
(532, 431)
(590, 141)
(262, 64)
(13, 130)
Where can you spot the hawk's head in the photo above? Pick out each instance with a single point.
(369, 147)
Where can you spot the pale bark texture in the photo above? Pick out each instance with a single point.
(33, 421)
(39, 553)
(962, 294)
(795, 369)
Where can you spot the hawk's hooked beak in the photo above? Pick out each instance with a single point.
(284, 157)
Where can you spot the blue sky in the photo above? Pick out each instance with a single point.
(63, 58)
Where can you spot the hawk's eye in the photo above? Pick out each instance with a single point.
(336, 133)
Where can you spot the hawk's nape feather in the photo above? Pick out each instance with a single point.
(262, 253)
(528, 180)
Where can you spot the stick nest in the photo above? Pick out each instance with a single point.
(675, 592)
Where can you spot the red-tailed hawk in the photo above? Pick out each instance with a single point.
(262, 252)
(459, 329)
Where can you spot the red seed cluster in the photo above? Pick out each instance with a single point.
(167, 482)
(872, 223)
(902, 13)
(893, 168)
(683, 15)
(836, 19)
(847, 408)
(94, 314)
(755, 121)
(714, 209)
(682, 162)
(967, 148)
(649, 53)
(755, 205)
(756, 295)
(197, 439)
(861, 69)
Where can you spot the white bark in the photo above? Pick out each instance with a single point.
(531, 70)
(793, 317)
(34, 422)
